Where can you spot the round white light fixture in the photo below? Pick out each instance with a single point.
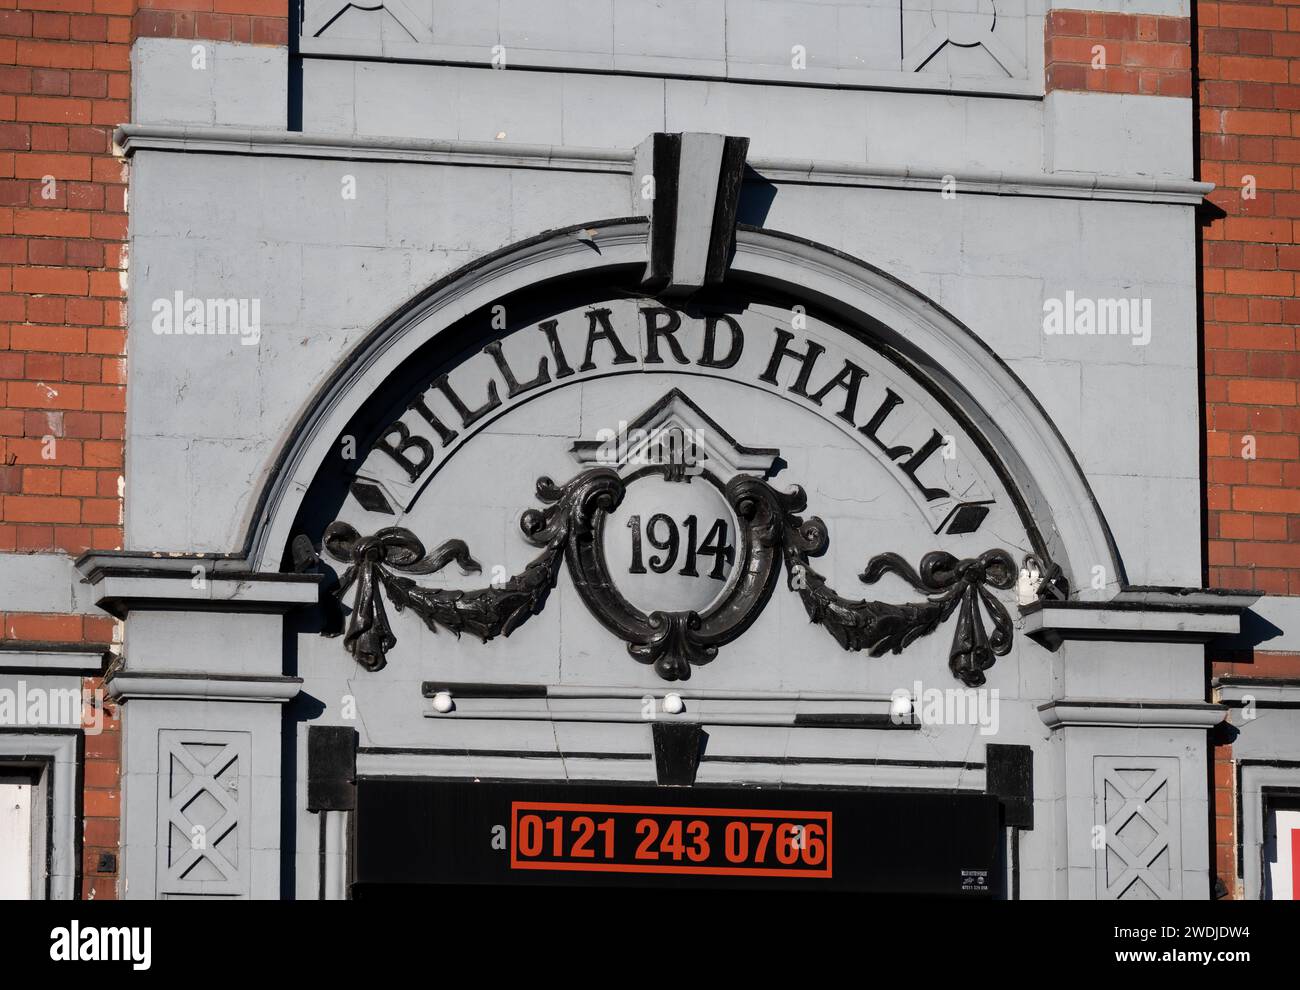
(673, 703)
(442, 702)
(900, 705)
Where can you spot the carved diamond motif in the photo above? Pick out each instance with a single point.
(1137, 821)
(203, 846)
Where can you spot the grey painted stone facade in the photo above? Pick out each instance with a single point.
(911, 233)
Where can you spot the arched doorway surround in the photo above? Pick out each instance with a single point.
(1037, 468)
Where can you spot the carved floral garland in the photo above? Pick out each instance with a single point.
(566, 528)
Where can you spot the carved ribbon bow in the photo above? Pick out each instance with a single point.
(960, 585)
(371, 563)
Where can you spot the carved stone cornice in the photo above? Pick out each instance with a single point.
(1188, 615)
(131, 138)
(1064, 713)
(125, 685)
(125, 581)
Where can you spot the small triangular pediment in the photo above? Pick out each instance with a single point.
(674, 431)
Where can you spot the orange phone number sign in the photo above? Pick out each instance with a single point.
(616, 838)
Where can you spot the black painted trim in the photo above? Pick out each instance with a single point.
(120, 606)
(1128, 605)
(847, 761)
(98, 658)
(722, 234)
(781, 760)
(1126, 704)
(53, 671)
(1280, 764)
(294, 87)
(1052, 638)
(526, 754)
(183, 573)
(1175, 589)
(43, 646)
(186, 675)
(1263, 705)
(666, 154)
(651, 787)
(474, 689)
(850, 720)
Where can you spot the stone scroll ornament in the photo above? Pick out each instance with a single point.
(568, 529)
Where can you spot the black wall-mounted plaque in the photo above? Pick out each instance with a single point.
(331, 768)
(1010, 776)
(422, 832)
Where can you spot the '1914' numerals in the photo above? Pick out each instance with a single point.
(661, 533)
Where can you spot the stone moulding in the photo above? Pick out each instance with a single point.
(1064, 713)
(1186, 615)
(122, 581)
(50, 658)
(1256, 692)
(164, 685)
(1036, 468)
(131, 138)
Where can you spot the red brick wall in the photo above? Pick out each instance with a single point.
(64, 84)
(1249, 92)
(1223, 800)
(1118, 53)
(259, 22)
(1248, 67)
(101, 798)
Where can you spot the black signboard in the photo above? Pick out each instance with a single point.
(411, 832)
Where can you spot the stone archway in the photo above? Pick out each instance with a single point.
(937, 352)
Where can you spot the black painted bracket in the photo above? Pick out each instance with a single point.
(331, 768)
(1009, 775)
(678, 747)
(692, 202)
